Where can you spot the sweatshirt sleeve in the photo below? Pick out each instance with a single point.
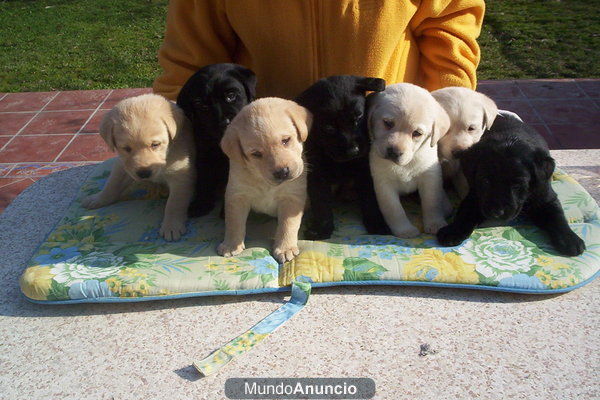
(197, 34)
(446, 32)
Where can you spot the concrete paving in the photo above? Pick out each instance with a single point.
(488, 345)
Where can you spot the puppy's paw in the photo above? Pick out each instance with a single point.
(451, 236)
(569, 244)
(198, 208)
(93, 201)
(172, 230)
(406, 232)
(230, 249)
(434, 226)
(284, 253)
(447, 208)
(376, 226)
(318, 232)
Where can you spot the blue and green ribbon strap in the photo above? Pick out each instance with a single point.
(256, 334)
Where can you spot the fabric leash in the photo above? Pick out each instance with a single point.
(246, 341)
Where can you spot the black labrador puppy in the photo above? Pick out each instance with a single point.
(210, 99)
(337, 150)
(509, 173)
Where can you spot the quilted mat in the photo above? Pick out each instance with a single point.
(116, 254)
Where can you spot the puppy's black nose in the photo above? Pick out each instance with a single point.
(353, 151)
(282, 174)
(496, 213)
(225, 122)
(144, 173)
(392, 154)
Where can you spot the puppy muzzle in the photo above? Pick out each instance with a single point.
(353, 151)
(346, 153)
(144, 173)
(282, 174)
(501, 212)
(392, 154)
(224, 123)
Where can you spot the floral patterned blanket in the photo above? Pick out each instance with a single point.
(116, 254)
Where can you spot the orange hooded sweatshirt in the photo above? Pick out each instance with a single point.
(290, 44)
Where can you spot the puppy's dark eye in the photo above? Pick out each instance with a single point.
(416, 134)
(155, 145)
(388, 123)
(471, 128)
(285, 141)
(230, 97)
(127, 149)
(256, 154)
(520, 184)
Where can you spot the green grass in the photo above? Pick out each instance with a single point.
(540, 39)
(79, 44)
(84, 44)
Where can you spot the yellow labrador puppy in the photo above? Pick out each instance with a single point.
(154, 142)
(471, 114)
(405, 124)
(266, 172)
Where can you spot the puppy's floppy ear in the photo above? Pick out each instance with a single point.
(544, 165)
(490, 111)
(231, 145)
(468, 162)
(107, 127)
(184, 100)
(370, 108)
(174, 119)
(366, 84)
(302, 120)
(247, 78)
(441, 123)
